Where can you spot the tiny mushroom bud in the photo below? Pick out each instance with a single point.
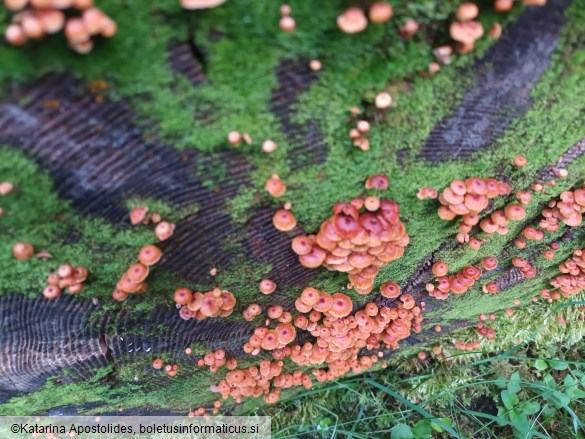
(383, 100)
(267, 286)
(138, 214)
(443, 54)
(76, 288)
(23, 250)
(363, 126)
(440, 268)
(353, 20)
(495, 31)
(372, 203)
(52, 292)
(275, 186)
(378, 181)
(6, 187)
(119, 295)
(285, 9)
(380, 12)
(520, 161)
(15, 35)
(268, 146)
(315, 65)
(408, 29)
(234, 138)
(284, 220)
(287, 24)
(467, 11)
(164, 230)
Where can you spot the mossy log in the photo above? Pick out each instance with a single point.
(81, 159)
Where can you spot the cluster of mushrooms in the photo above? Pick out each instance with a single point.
(572, 279)
(200, 306)
(339, 338)
(215, 360)
(458, 283)
(134, 280)
(163, 230)
(569, 210)
(79, 19)
(66, 277)
(360, 237)
(265, 380)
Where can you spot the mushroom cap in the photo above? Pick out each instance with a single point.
(302, 245)
(467, 11)
(229, 301)
(52, 292)
(515, 212)
(270, 340)
(287, 24)
(440, 268)
(466, 32)
(119, 295)
(15, 35)
(210, 306)
(138, 272)
(380, 12)
(183, 296)
(109, 28)
(201, 4)
(128, 285)
(267, 286)
(75, 31)
(353, 20)
(284, 220)
(390, 290)
(310, 296)
(23, 250)
(341, 305)
(149, 255)
(383, 100)
(15, 5)
(275, 186)
(196, 301)
(32, 26)
(286, 333)
(52, 20)
(324, 303)
(164, 230)
(138, 214)
(313, 259)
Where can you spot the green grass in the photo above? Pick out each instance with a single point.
(451, 396)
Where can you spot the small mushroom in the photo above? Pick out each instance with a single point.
(353, 20)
